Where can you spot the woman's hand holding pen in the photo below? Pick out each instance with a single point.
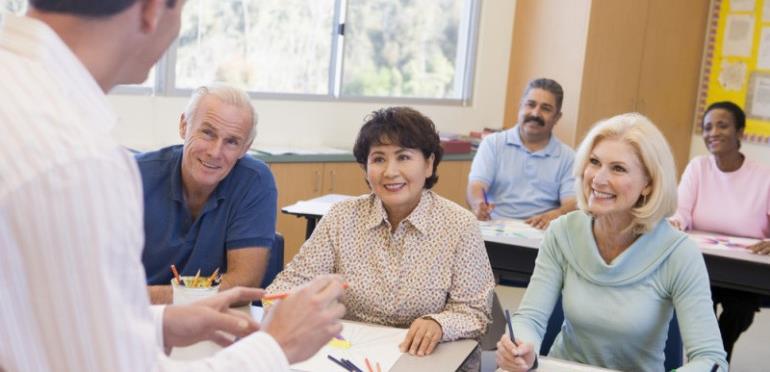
(519, 357)
(762, 247)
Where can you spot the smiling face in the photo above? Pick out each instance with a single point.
(537, 115)
(397, 176)
(719, 132)
(614, 179)
(213, 142)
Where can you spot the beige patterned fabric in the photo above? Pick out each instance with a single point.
(434, 265)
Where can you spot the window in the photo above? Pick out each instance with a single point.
(351, 49)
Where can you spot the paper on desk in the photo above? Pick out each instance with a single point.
(378, 344)
(510, 229)
(318, 206)
(713, 241)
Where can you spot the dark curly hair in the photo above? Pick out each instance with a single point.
(401, 126)
(736, 111)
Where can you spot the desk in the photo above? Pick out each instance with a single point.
(547, 364)
(514, 256)
(447, 356)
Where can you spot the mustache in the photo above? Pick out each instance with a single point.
(536, 119)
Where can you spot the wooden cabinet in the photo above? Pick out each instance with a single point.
(453, 180)
(303, 181)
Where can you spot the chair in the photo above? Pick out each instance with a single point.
(274, 263)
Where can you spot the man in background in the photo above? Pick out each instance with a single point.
(72, 293)
(525, 172)
(208, 206)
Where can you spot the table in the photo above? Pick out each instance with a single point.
(447, 356)
(514, 257)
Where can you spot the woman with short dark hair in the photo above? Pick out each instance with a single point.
(411, 258)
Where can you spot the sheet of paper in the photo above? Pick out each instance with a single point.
(378, 344)
(763, 59)
(732, 75)
(739, 34)
(286, 150)
(714, 241)
(510, 229)
(742, 5)
(758, 105)
(318, 206)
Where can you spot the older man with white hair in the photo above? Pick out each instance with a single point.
(208, 206)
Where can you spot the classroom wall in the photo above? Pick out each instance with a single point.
(149, 122)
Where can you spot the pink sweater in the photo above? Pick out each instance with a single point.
(734, 203)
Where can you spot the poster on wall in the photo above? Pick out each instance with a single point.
(736, 63)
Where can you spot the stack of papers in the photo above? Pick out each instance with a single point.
(513, 229)
(318, 206)
(286, 150)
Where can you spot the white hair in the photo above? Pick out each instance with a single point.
(227, 94)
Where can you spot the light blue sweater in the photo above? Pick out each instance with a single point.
(617, 315)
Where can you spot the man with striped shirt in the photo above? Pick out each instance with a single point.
(72, 294)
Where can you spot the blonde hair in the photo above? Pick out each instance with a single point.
(227, 94)
(653, 151)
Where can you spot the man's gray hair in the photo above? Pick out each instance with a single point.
(227, 94)
(548, 85)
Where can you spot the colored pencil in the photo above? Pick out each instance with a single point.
(368, 365)
(352, 366)
(333, 359)
(176, 275)
(195, 279)
(378, 367)
(281, 296)
(212, 277)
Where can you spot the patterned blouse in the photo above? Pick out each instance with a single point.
(434, 265)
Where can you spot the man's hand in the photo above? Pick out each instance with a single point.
(483, 211)
(541, 221)
(307, 319)
(423, 336)
(210, 319)
(519, 357)
(762, 247)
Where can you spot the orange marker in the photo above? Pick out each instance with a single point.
(176, 275)
(281, 296)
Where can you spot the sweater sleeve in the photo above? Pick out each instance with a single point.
(529, 322)
(687, 194)
(689, 286)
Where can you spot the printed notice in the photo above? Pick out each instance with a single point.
(738, 36)
(759, 97)
(763, 60)
(742, 5)
(732, 74)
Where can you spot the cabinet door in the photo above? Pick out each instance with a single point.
(453, 180)
(295, 181)
(344, 178)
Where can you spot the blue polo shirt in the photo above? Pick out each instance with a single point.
(523, 183)
(240, 213)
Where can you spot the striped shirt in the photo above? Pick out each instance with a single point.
(72, 291)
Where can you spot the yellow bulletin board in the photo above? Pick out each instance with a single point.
(736, 63)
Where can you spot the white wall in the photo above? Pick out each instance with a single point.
(151, 122)
(756, 152)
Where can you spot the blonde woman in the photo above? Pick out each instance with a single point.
(621, 268)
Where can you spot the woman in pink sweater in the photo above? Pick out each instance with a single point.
(727, 193)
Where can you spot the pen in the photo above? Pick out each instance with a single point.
(281, 296)
(486, 199)
(715, 368)
(510, 328)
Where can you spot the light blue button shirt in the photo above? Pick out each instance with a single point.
(523, 183)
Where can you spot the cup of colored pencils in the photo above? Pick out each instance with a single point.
(187, 289)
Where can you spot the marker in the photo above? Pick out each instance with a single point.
(281, 296)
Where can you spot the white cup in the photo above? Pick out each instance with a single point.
(184, 295)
